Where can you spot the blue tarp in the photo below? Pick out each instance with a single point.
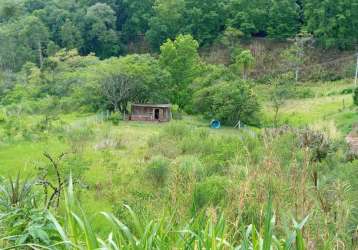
(215, 124)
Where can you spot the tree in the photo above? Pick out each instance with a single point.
(283, 19)
(294, 55)
(228, 101)
(249, 16)
(231, 37)
(278, 95)
(102, 37)
(137, 16)
(166, 22)
(115, 82)
(116, 88)
(21, 41)
(205, 20)
(243, 63)
(180, 57)
(70, 36)
(35, 36)
(333, 23)
(10, 9)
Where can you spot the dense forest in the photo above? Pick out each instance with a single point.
(279, 172)
(33, 29)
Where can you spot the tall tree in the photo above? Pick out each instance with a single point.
(70, 36)
(167, 21)
(205, 20)
(180, 57)
(137, 15)
(283, 19)
(35, 35)
(243, 63)
(250, 16)
(10, 9)
(102, 37)
(333, 23)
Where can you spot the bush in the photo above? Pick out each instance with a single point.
(177, 113)
(2, 116)
(346, 91)
(302, 93)
(79, 135)
(158, 170)
(355, 96)
(229, 102)
(176, 130)
(212, 191)
(191, 166)
(115, 118)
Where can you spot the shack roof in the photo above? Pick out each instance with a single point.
(152, 105)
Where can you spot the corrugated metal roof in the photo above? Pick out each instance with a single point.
(152, 105)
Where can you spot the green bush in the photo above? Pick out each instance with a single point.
(210, 192)
(191, 166)
(158, 170)
(177, 113)
(228, 101)
(195, 144)
(346, 91)
(355, 96)
(302, 93)
(2, 116)
(115, 118)
(176, 130)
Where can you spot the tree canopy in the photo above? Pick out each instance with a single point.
(111, 28)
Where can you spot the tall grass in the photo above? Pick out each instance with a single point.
(206, 231)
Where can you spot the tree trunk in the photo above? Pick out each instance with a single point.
(41, 60)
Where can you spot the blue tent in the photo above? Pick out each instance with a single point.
(215, 124)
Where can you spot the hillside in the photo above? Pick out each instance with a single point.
(76, 172)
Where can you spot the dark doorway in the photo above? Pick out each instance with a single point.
(156, 114)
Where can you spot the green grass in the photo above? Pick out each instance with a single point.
(305, 112)
(129, 159)
(23, 156)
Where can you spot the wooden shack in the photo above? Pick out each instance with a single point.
(151, 112)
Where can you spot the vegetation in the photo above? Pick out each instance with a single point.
(277, 74)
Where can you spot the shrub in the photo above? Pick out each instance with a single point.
(177, 113)
(165, 146)
(158, 170)
(228, 101)
(346, 91)
(2, 116)
(191, 166)
(195, 144)
(355, 96)
(176, 130)
(115, 118)
(79, 135)
(212, 191)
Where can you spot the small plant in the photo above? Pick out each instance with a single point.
(355, 96)
(212, 191)
(158, 170)
(115, 118)
(15, 193)
(176, 130)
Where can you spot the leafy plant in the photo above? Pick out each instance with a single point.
(355, 96)
(158, 170)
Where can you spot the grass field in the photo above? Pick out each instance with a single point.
(112, 170)
(153, 167)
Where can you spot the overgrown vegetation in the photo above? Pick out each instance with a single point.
(275, 73)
